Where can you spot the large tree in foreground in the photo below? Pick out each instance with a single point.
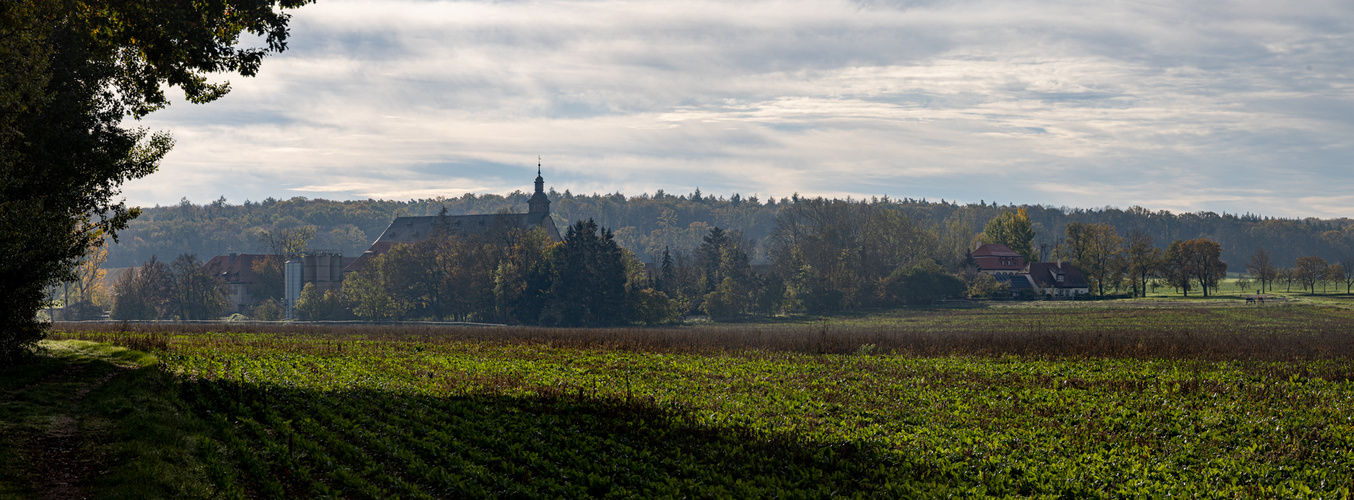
(70, 72)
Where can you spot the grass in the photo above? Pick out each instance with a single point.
(88, 416)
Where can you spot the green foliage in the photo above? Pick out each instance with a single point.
(311, 305)
(984, 286)
(269, 310)
(833, 253)
(652, 307)
(1013, 229)
(366, 293)
(269, 273)
(588, 288)
(727, 301)
(924, 283)
(340, 416)
(72, 70)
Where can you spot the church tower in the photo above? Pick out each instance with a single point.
(539, 203)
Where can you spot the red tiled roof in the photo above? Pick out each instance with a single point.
(997, 257)
(995, 250)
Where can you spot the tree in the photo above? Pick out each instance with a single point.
(1287, 276)
(1262, 267)
(365, 291)
(1347, 276)
(71, 71)
(924, 283)
(269, 274)
(653, 307)
(1175, 266)
(288, 242)
(727, 301)
(312, 305)
(143, 293)
(588, 288)
(1195, 261)
(195, 292)
(1308, 271)
(1014, 230)
(1335, 274)
(1142, 260)
(1095, 249)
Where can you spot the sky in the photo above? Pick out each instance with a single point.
(1209, 105)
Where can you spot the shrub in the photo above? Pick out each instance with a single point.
(924, 283)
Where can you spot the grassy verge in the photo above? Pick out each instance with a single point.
(89, 419)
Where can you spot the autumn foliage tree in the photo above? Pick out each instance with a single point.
(1013, 229)
(1308, 271)
(1194, 261)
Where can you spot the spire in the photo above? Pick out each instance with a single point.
(539, 202)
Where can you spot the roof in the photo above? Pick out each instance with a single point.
(416, 229)
(1015, 281)
(994, 250)
(236, 269)
(1045, 275)
(997, 257)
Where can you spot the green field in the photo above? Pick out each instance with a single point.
(1050, 401)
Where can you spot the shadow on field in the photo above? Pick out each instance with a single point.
(276, 441)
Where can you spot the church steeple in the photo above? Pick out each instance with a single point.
(539, 203)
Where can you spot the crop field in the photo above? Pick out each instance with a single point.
(1221, 402)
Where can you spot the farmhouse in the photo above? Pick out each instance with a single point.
(1046, 279)
(238, 272)
(318, 267)
(415, 229)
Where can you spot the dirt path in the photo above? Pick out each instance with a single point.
(59, 461)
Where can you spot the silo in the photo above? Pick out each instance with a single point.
(293, 284)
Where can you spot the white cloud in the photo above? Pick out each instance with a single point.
(1168, 105)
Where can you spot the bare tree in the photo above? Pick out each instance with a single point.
(1143, 260)
(1096, 249)
(1262, 267)
(1309, 271)
(287, 242)
(1347, 268)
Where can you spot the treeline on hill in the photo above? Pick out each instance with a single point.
(647, 224)
(824, 256)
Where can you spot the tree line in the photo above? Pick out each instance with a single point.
(824, 256)
(649, 223)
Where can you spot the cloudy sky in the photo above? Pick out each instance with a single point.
(1236, 106)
